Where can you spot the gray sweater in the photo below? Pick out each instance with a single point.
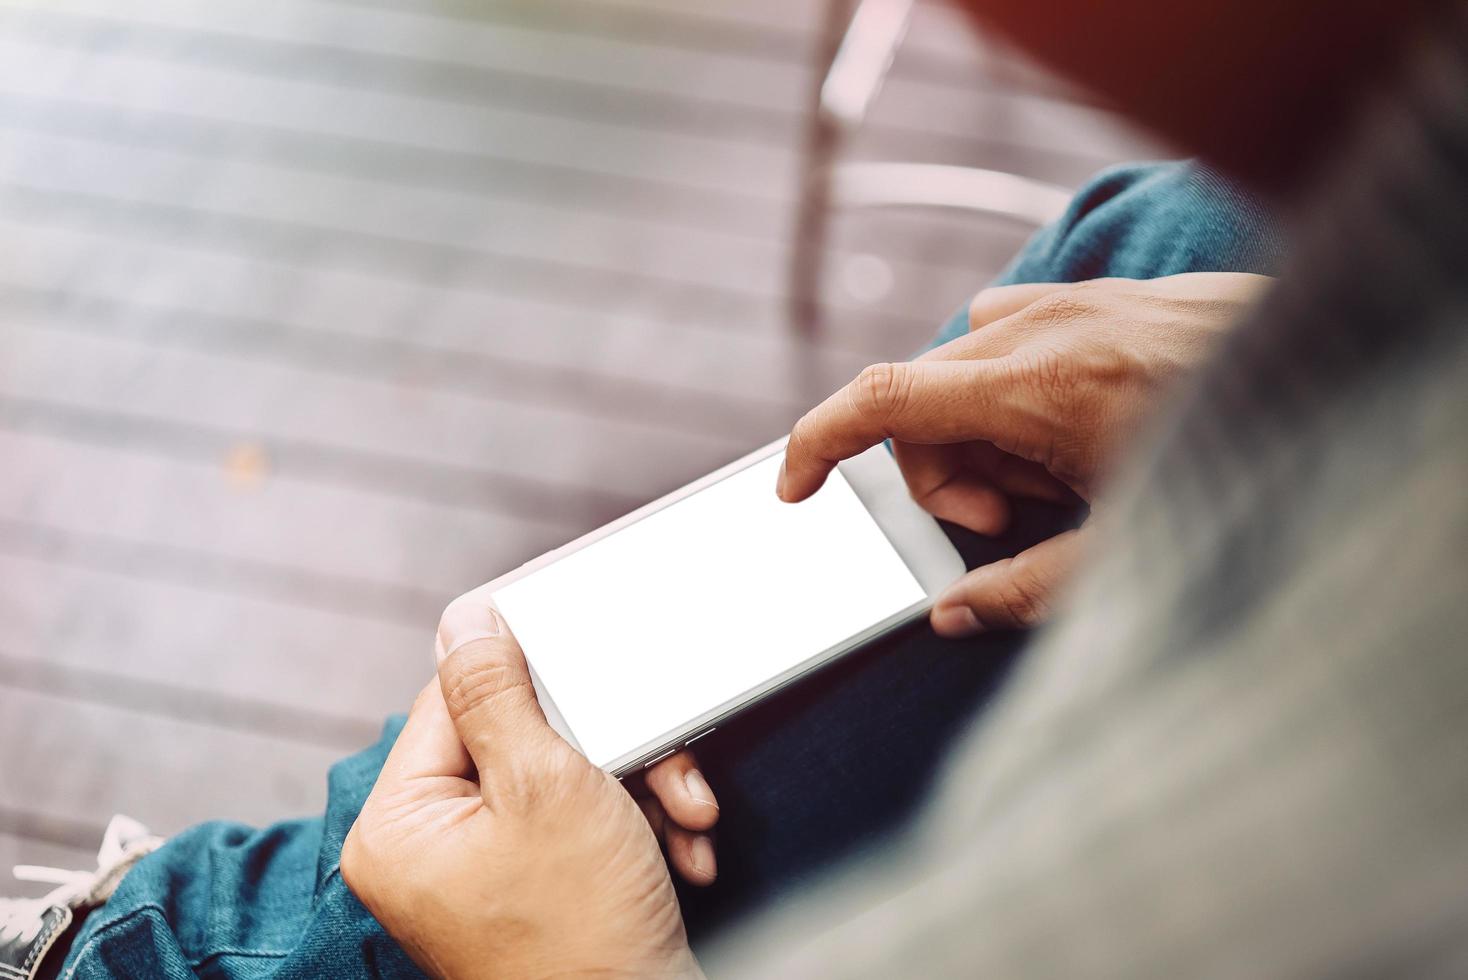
(1243, 748)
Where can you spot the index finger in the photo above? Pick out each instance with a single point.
(429, 747)
(914, 401)
(998, 302)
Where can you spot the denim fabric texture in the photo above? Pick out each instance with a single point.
(1144, 221)
(226, 900)
(805, 780)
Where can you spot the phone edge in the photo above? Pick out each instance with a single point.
(698, 726)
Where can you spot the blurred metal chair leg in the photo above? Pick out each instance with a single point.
(860, 62)
(873, 185)
(859, 50)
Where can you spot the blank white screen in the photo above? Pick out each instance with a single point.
(701, 602)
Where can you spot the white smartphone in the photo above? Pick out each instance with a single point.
(646, 634)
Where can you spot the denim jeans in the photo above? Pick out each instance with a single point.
(805, 780)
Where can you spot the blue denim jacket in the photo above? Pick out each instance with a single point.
(225, 900)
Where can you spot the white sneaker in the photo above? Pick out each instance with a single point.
(30, 927)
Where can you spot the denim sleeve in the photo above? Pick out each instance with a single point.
(1142, 221)
(222, 900)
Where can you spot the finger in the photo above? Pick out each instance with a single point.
(690, 854)
(942, 485)
(657, 817)
(683, 792)
(486, 687)
(428, 747)
(1015, 593)
(998, 302)
(921, 401)
(1018, 477)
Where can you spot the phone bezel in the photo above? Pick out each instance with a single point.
(878, 484)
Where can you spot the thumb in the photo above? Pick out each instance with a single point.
(486, 686)
(1015, 593)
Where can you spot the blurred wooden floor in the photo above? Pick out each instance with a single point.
(315, 314)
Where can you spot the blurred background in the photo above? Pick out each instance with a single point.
(316, 313)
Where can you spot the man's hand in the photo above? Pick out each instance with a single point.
(491, 847)
(1036, 401)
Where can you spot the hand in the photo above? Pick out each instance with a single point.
(491, 847)
(1036, 401)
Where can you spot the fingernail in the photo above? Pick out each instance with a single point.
(699, 789)
(780, 482)
(955, 621)
(701, 852)
(465, 622)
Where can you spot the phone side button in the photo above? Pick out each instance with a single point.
(652, 762)
(706, 731)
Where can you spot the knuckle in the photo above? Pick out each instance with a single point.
(472, 682)
(1058, 308)
(1025, 598)
(881, 390)
(1022, 605)
(800, 435)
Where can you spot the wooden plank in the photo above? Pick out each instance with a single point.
(961, 126)
(666, 399)
(900, 241)
(277, 404)
(349, 70)
(403, 225)
(188, 702)
(800, 15)
(621, 64)
(681, 374)
(96, 429)
(128, 80)
(941, 44)
(710, 27)
(355, 539)
(415, 234)
(185, 646)
(435, 218)
(364, 326)
(169, 774)
(613, 235)
(584, 289)
(211, 572)
(563, 182)
(241, 458)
